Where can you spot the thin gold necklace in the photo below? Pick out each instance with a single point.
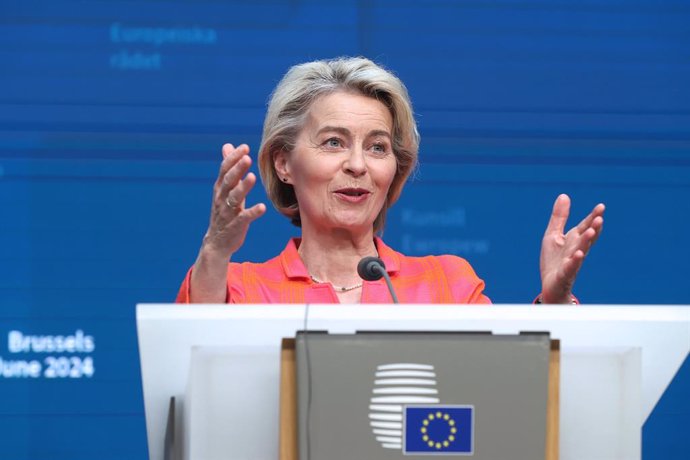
(337, 288)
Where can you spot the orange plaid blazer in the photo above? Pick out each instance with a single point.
(284, 279)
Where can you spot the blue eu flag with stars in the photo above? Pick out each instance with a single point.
(439, 429)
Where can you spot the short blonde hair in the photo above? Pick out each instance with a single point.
(289, 106)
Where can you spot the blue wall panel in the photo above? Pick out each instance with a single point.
(112, 115)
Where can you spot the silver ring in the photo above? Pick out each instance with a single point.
(227, 201)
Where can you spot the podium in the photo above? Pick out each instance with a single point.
(221, 363)
(382, 395)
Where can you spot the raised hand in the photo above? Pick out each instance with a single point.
(562, 254)
(227, 227)
(229, 218)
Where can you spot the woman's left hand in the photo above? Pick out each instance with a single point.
(562, 254)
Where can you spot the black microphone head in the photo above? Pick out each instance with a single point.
(371, 268)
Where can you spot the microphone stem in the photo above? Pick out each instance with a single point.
(390, 286)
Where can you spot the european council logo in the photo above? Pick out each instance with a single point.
(438, 429)
(397, 385)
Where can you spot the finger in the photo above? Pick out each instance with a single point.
(236, 196)
(570, 268)
(231, 156)
(559, 215)
(226, 150)
(253, 213)
(598, 226)
(591, 235)
(584, 239)
(585, 223)
(233, 204)
(244, 186)
(247, 216)
(579, 242)
(233, 177)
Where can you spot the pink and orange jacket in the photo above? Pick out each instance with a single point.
(284, 279)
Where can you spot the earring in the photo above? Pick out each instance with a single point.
(285, 179)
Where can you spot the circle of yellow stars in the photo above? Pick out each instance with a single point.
(438, 444)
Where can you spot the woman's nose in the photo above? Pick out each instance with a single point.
(356, 163)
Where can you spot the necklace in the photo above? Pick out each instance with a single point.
(337, 288)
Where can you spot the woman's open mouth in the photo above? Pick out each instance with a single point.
(352, 195)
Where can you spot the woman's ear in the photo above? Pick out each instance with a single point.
(280, 163)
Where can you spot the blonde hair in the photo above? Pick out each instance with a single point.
(289, 105)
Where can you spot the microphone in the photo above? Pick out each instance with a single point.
(372, 269)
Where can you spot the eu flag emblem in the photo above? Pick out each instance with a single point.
(438, 429)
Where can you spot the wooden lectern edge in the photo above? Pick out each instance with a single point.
(288, 401)
(553, 401)
(287, 444)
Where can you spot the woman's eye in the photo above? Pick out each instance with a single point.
(333, 142)
(379, 148)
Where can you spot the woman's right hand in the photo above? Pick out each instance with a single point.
(229, 218)
(227, 228)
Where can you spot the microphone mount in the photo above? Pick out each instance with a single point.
(373, 269)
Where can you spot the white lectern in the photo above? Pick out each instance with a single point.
(221, 363)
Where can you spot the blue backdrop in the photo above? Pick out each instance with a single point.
(113, 112)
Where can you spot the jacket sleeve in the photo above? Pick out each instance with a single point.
(465, 286)
(184, 294)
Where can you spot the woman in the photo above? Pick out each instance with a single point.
(339, 142)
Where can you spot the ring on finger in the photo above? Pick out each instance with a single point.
(227, 201)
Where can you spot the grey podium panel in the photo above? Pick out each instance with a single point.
(349, 384)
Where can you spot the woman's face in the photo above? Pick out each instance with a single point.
(343, 163)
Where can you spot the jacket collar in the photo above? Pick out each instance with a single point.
(294, 267)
